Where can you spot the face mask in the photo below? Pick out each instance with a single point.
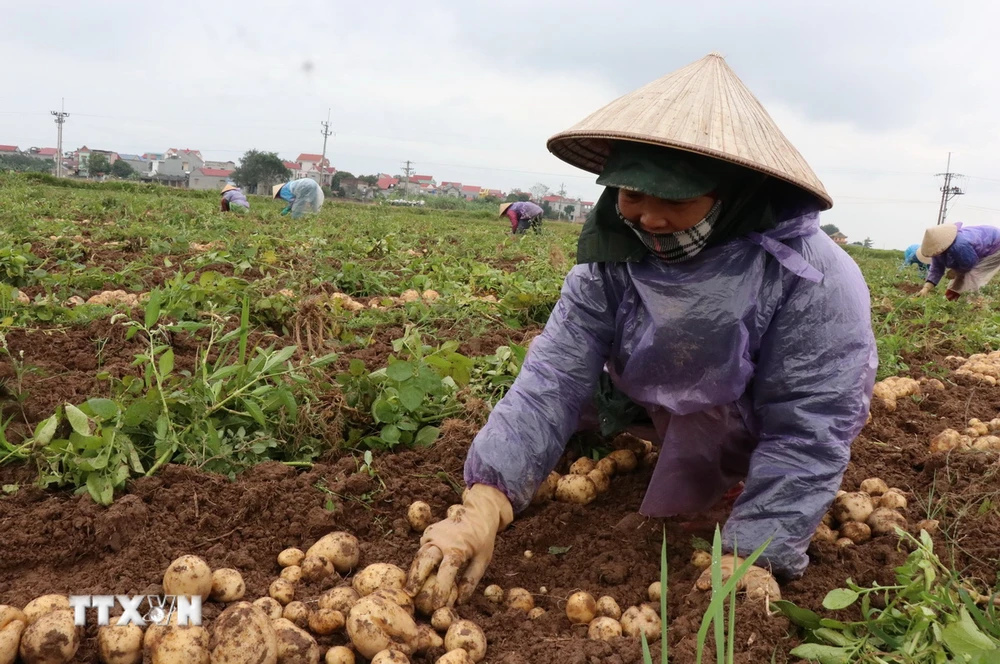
(679, 246)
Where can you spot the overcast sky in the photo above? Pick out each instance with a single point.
(874, 94)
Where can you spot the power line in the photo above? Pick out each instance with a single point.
(61, 116)
(948, 192)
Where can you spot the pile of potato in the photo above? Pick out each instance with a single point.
(855, 517)
(981, 368)
(982, 436)
(587, 479)
(894, 388)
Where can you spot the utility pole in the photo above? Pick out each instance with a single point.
(562, 190)
(948, 192)
(407, 171)
(61, 116)
(326, 133)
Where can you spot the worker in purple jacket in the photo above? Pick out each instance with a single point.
(523, 214)
(969, 256)
(706, 295)
(233, 199)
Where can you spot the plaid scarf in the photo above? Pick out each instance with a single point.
(680, 246)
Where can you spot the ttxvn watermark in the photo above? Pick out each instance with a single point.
(138, 610)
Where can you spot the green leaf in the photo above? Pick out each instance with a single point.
(357, 368)
(964, 639)
(801, 617)
(100, 489)
(390, 434)
(78, 420)
(559, 550)
(255, 412)
(106, 409)
(153, 308)
(383, 412)
(839, 598)
(824, 654)
(411, 397)
(399, 371)
(426, 436)
(167, 362)
(139, 412)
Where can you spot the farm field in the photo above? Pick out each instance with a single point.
(254, 382)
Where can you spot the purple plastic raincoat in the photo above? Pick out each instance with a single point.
(755, 359)
(972, 244)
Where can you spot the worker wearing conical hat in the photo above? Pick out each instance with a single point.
(969, 255)
(707, 309)
(523, 215)
(303, 196)
(233, 199)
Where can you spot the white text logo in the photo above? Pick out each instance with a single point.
(139, 610)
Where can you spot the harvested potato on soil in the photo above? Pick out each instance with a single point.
(375, 624)
(390, 657)
(466, 635)
(243, 633)
(654, 591)
(536, 613)
(701, 559)
(297, 613)
(339, 655)
(188, 575)
(316, 567)
(582, 466)
(601, 481)
(340, 599)
(281, 590)
(378, 575)
(604, 629)
(292, 574)
(340, 548)
(493, 593)
(419, 516)
(947, 440)
(227, 585)
(823, 534)
(547, 489)
(521, 599)
(828, 520)
(856, 531)
(575, 489)
(455, 657)
(987, 443)
(884, 521)
(427, 639)
(607, 607)
(641, 620)
(181, 644)
(398, 597)
(581, 608)
(930, 525)
(874, 486)
(625, 460)
(51, 638)
(270, 606)
(10, 638)
(326, 621)
(844, 542)
(854, 506)
(39, 606)
(443, 618)
(118, 644)
(9, 614)
(980, 428)
(607, 466)
(428, 599)
(893, 499)
(290, 557)
(295, 645)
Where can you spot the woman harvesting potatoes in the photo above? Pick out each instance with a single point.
(706, 300)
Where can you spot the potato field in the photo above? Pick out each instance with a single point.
(248, 407)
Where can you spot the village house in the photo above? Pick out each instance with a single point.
(357, 189)
(839, 238)
(209, 178)
(316, 168)
(8, 150)
(453, 189)
(572, 209)
(221, 165)
(49, 154)
(84, 154)
(139, 164)
(470, 192)
(386, 183)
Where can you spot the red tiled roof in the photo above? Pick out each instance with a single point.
(214, 172)
(471, 188)
(445, 184)
(291, 165)
(496, 192)
(305, 156)
(8, 148)
(552, 199)
(422, 178)
(587, 204)
(385, 182)
(84, 149)
(46, 152)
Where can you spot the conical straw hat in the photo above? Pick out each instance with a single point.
(937, 239)
(275, 189)
(503, 207)
(702, 108)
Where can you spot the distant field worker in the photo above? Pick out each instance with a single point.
(233, 199)
(910, 257)
(303, 196)
(522, 215)
(969, 256)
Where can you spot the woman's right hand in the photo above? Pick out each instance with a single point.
(460, 547)
(925, 291)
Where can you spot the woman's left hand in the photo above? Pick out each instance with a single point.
(758, 583)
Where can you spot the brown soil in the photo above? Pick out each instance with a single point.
(58, 542)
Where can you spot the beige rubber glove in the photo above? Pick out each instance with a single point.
(758, 583)
(925, 291)
(462, 544)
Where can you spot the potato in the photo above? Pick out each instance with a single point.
(601, 481)
(9, 614)
(428, 600)
(980, 428)
(398, 597)
(270, 606)
(994, 425)
(893, 499)
(340, 548)
(188, 575)
(971, 433)
(39, 606)
(427, 639)
(10, 638)
(443, 618)
(582, 466)
(824, 534)
(493, 593)
(339, 599)
(604, 629)
(930, 525)
(855, 531)
(625, 460)
(884, 521)
(119, 644)
(326, 621)
(466, 635)
(227, 585)
(701, 559)
(828, 520)
(855, 506)
(947, 440)
(455, 657)
(316, 567)
(575, 489)
(581, 608)
(607, 607)
(295, 645)
(375, 624)
(419, 516)
(51, 638)
(528, 555)
(607, 466)
(874, 486)
(546, 490)
(291, 557)
(282, 590)
(292, 574)
(180, 644)
(844, 542)
(378, 575)
(243, 633)
(536, 613)
(641, 620)
(296, 613)
(390, 657)
(521, 599)
(339, 655)
(654, 591)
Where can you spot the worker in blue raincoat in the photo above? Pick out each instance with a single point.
(303, 196)
(911, 257)
(707, 300)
